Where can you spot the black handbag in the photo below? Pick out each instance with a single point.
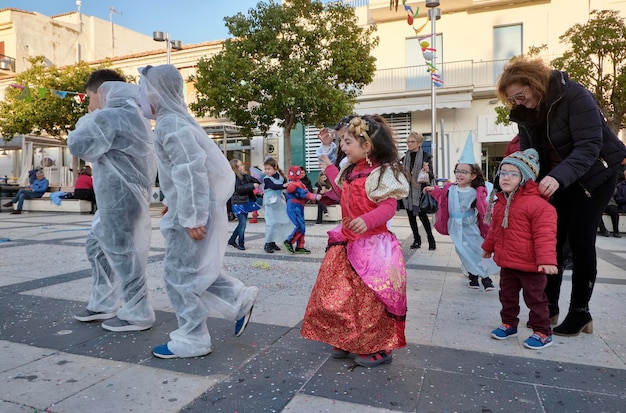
(428, 204)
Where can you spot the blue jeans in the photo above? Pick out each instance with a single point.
(23, 194)
(240, 230)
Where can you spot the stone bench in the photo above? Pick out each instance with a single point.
(44, 204)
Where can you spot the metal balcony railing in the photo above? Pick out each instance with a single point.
(465, 74)
(7, 63)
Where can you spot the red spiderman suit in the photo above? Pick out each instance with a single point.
(297, 195)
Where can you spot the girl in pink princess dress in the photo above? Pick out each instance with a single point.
(358, 302)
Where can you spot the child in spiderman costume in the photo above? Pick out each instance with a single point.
(297, 195)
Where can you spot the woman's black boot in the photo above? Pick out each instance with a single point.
(417, 243)
(432, 245)
(577, 320)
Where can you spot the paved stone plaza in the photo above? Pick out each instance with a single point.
(53, 363)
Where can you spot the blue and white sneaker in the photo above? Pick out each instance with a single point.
(504, 331)
(242, 323)
(538, 341)
(163, 352)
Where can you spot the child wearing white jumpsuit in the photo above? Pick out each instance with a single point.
(193, 173)
(117, 140)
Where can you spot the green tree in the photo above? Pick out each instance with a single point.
(597, 60)
(300, 62)
(27, 111)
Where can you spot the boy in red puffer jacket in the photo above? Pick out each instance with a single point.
(522, 238)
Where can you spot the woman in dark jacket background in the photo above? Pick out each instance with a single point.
(414, 162)
(579, 158)
(242, 202)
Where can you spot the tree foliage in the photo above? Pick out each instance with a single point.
(597, 60)
(300, 62)
(44, 113)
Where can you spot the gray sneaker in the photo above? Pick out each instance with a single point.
(117, 325)
(87, 315)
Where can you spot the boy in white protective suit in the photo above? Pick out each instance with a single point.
(194, 176)
(117, 140)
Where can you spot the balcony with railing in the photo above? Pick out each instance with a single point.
(7, 63)
(466, 75)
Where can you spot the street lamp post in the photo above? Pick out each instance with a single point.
(434, 14)
(169, 44)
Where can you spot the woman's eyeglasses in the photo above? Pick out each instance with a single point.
(519, 96)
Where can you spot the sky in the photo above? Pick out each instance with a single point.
(190, 21)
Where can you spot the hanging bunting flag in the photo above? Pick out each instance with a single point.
(61, 94)
(427, 51)
(419, 29)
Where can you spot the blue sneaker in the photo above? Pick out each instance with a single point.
(503, 332)
(538, 341)
(242, 323)
(163, 352)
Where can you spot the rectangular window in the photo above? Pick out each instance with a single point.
(507, 42)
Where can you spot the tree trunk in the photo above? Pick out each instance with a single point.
(287, 145)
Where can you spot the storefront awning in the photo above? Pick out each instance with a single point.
(413, 104)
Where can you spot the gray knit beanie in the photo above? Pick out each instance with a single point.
(526, 161)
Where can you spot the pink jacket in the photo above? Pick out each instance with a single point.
(441, 195)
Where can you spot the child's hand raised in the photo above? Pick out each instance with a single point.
(325, 160)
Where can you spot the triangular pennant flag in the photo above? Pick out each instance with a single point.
(42, 91)
(16, 86)
(25, 94)
(59, 93)
(81, 97)
(419, 29)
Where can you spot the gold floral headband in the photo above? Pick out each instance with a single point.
(359, 127)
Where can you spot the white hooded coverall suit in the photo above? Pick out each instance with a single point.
(197, 181)
(117, 140)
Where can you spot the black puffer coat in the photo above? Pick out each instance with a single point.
(244, 188)
(570, 125)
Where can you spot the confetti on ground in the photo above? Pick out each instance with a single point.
(262, 265)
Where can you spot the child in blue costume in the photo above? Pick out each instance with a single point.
(297, 195)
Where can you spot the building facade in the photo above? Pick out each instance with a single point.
(473, 40)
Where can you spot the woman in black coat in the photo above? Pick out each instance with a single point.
(579, 158)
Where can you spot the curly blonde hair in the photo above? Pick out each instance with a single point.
(532, 73)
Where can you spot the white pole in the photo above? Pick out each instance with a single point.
(432, 14)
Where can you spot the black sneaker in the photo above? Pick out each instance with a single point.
(302, 251)
(268, 248)
(488, 284)
(473, 282)
(276, 247)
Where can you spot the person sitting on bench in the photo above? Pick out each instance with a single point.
(35, 190)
